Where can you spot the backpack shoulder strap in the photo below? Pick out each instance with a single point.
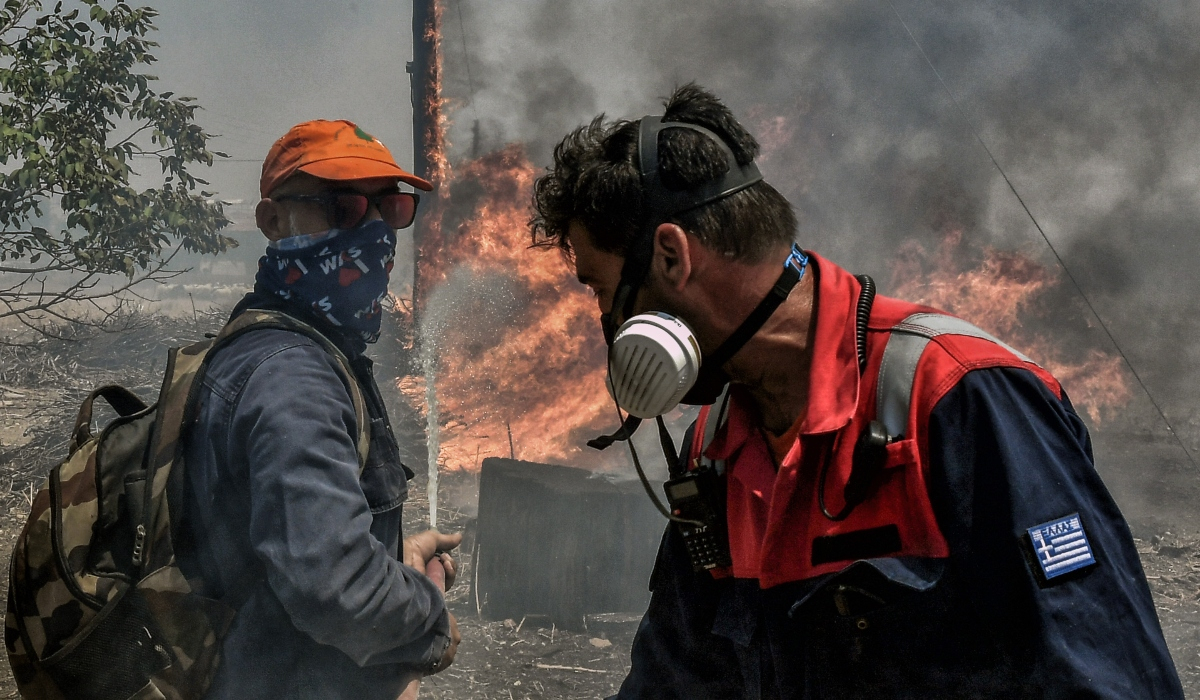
(254, 319)
(176, 404)
(902, 354)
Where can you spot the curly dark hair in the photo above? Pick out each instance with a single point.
(595, 180)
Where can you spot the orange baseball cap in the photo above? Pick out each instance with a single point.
(331, 150)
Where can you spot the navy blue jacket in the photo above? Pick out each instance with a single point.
(1006, 455)
(279, 522)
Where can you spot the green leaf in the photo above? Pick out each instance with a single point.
(65, 82)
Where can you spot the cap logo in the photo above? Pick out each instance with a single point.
(363, 135)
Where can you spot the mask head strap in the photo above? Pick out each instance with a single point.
(660, 203)
(793, 272)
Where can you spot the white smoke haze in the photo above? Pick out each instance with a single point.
(260, 67)
(1086, 106)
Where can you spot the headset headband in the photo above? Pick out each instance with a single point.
(661, 202)
(658, 203)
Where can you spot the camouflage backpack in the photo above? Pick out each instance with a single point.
(98, 608)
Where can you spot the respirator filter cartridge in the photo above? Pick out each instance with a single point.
(652, 363)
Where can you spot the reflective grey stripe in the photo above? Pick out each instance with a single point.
(901, 356)
(932, 325)
(897, 372)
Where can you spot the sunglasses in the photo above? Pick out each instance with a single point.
(345, 210)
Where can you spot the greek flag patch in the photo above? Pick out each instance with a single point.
(1061, 546)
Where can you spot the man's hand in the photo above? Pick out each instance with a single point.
(448, 657)
(423, 547)
(411, 688)
(425, 553)
(413, 685)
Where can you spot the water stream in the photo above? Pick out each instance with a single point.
(432, 431)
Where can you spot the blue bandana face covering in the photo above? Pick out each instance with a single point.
(342, 277)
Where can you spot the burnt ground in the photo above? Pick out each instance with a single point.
(41, 385)
(528, 657)
(42, 382)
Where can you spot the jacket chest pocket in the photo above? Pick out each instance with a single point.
(886, 627)
(384, 479)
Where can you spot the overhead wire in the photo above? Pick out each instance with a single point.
(236, 121)
(1074, 282)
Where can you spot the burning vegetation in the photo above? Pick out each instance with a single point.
(512, 361)
(1006, 293)
(509, 338)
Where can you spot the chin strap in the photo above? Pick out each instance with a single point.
(628, 427)
(793, 272)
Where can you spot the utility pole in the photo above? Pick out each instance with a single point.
(424, 79)
(425, 82)
(421, 71)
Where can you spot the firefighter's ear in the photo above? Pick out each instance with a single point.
(672, 255)
(270, 219)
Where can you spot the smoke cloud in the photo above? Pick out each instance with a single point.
(1089, 107)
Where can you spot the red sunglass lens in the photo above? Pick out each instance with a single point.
(348, 210)
(399, 209)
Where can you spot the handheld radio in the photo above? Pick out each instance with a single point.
(698, 497)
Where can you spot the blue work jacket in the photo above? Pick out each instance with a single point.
(279, 523)
(1006, 455)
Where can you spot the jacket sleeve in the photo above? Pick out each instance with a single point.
(310, 522)
(1007, 455)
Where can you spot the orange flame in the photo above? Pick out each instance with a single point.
(998, 295)
(519, 357)
(516, 337)
(518, 350)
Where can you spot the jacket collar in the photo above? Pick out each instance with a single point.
(833, 377)
(257, 299)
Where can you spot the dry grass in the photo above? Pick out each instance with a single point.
(42, 382)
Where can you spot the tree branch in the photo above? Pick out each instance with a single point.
(80, 291)
(17, 15)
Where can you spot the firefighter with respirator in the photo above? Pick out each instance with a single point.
(877, 499)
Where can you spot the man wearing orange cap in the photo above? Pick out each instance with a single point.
(280, 518)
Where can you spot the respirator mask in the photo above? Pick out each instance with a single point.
(654, 360)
